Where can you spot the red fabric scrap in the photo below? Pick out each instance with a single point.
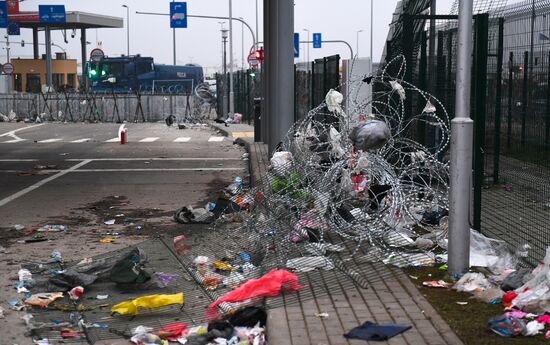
(508, 298)
(544, 319)
(173, 331)
(267, 286)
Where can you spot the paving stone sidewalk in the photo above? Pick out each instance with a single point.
(393, 299)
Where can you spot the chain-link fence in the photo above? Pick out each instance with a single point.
(510, 108)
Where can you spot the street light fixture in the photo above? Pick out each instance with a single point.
(127, 29)
(307, 43)
(357, 43)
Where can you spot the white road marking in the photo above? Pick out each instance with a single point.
(155, 159)
(18, 140)
(41, 183)
(157, 169)
(114, 140)
(81, 140)
(12, 133)
(216, 139)
(53, 140)
(149, 139)
(18, 160)
(182, 139)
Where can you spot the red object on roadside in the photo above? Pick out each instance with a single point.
(508, 298)
(123, 136)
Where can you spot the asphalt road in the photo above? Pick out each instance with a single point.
(160, 167)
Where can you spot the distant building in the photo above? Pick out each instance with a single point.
(30, 74)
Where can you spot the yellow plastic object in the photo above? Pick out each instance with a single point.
(222, 266)
(149, 302)
(107, 240)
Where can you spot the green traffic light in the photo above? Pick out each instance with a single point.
(93, 72)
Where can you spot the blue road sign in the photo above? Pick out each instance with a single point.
(317, 40)
(178, 14)
(3, 15)
(52, 14)
(14, 29)
(296, 45)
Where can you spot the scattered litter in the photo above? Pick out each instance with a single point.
(101, 297)
(437, 284)
(148, 302)
(267, 286)
(16, 305)
(53, 228)
(372, 331)
(76, 293)
(413, 277)
(472, 281)
(110, 222)
(107, 240)
(461, 303)
(322, 315)
(19, 227)
(44, 299)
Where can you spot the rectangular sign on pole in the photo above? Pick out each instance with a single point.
(3, 15)
(52, 14)
(296, 45)
(178, 15)
(317, 40)
(14, 29)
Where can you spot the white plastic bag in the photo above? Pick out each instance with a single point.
(334, 100)
(472, 281)
(281, 163)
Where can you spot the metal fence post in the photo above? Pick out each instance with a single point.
(510, 95)
(498, 105)
(524, 93)
(461, 148)
(547, 125)
(480, 89)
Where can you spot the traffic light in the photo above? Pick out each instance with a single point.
(92, 70)
(259, 54)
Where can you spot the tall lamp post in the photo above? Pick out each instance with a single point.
(224, 69)
(306, 30)
(127, 29)
(242, 44)
(357, 43)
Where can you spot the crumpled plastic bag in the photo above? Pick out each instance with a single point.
(534, 295)
(309, 263)
(507, 326)
(399, 88)
(269, 285)
(533, 328)
(370, 135)
(334, 100)
(281, 163)
(472, 281)
(149, 302)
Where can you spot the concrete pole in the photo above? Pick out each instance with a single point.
(84, 56)
(461, 148)
(231, 94)
(280, 49)
(49, 57)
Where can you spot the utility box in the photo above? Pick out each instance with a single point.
(358, 91)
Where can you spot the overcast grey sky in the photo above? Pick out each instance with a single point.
(201, 41)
